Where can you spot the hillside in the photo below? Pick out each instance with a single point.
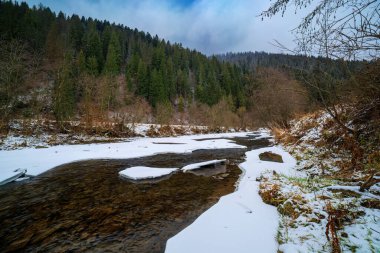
(87, 68)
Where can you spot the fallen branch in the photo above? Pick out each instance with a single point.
(369, 182)
(332, 219)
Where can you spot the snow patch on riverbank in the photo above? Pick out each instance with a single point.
(241, 221)
(37, 161)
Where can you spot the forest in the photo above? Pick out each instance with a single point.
(103, 67)
(65, 68)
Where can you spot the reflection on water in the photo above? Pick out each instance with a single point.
(86, 207)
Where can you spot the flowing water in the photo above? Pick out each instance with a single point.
(86, 207)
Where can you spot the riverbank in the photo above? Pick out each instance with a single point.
(324, 209)
(46, 133)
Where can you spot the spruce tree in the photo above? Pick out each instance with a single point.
(76, 33)
(93, 46)
(54, 45)
(64, 91)
(142, 88)
(113, 59)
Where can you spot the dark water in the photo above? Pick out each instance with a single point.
(86, 207)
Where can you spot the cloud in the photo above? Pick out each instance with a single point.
(210, 26)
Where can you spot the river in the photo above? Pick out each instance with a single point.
(87, 207)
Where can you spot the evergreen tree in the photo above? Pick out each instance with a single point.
(113, 59)
(92, 66)
(93, 46)
(64, 91)
(106, 36)
(81, 62)
(54, 46)
(142, 80)
(76, 33)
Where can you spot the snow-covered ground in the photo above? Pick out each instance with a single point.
(241, 221)
(142, 172)
(41, 135)
(37, 161)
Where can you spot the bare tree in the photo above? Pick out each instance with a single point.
(338, 29)
(278, 97)
(347, 29)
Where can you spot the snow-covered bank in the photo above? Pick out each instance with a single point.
(241, 221)
(37, 161)
(45, 133)
(326, 202)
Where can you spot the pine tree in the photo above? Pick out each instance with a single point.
(64, 91)
(76, 33)
(92, 66)
(106, 36)
(81, 62)
(142, 88)
(93, 46)
(112, 64)
(54, 46)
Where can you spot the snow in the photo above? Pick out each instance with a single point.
(37, 161)
(241, 221)
(304, 235)
(39, 138)
(9, 176)
(141, 172)
(143, 129)
(353, 189)
(195, 166)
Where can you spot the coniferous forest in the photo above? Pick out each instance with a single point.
(107, 65)
(74, 68)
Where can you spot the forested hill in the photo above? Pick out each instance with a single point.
(59, 67)
(72, 48)
(253, 60)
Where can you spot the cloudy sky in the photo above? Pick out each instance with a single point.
(210, 26)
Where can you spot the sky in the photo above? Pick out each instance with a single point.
(209, 26)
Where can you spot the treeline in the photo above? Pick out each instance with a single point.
(322, 78)
(119, 62)
(338, 69)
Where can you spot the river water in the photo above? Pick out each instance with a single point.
(87, 207)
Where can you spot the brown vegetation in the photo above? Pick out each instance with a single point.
(334, 221)
(278, 97)
(270, 194)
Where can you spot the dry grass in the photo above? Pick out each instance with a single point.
(283, 135)
(334, 222)
(270, 193)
